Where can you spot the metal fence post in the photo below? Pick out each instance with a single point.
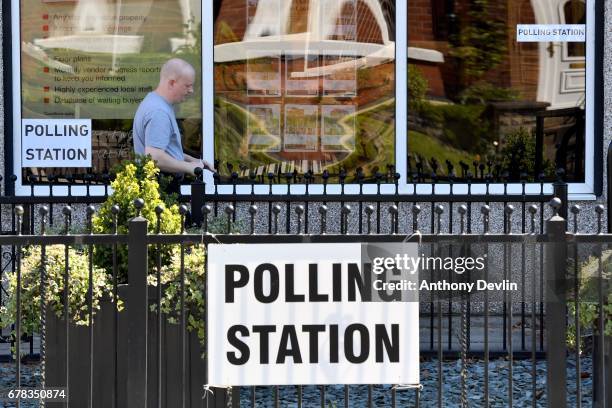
(137, 304)
(609, 190)
(560, 191)
(556, 325)
(197, 198)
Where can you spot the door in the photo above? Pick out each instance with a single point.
(562, 77)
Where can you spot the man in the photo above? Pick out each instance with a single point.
(155, 130)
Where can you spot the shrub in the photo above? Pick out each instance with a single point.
(518, 153)
(193, 260)
(480, 44)
(463, 126)
(417, 87)
(484, 92)
(139, 179)
(78, 287)
(135, 179)
(588, 313)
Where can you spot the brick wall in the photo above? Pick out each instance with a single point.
(420, 26)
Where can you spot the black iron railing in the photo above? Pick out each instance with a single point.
(137, 350)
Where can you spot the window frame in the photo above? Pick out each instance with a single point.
(589, 189)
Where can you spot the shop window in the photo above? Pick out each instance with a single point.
(97, 60)
(478, 95)
(304, 87)
(311, 87)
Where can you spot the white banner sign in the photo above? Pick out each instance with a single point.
(551, 33)
(304, 313)
(56, 143)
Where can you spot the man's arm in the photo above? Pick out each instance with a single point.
(200, 162)
(169, 164)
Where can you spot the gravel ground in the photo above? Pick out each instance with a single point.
(498, 387)
(358, 395)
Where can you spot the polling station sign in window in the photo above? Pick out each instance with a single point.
(56, 143)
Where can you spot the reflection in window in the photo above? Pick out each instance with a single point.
(575, 13)
(481, 103)
(304, 87)
(97, 59)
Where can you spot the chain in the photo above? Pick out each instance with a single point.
(43, 320)
(463, 341)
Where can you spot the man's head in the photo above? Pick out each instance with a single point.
(176, 80)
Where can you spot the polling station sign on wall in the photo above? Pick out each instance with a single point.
(56, 143)
(310, 314)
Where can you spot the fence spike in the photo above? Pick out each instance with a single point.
(323, 214)
(19, 212)
(276, 211)
(393, 218)
(253, 213)
(462, 210)
(369, 210)
(183, 213)
(555, 204)
(139, 205)
(416, 209)
(159, 209)
(229, 211)
(533, 210)
(43, 211)
(206, 210)
(346, 210)
(575, 210)
(299, 210)
(509, 209)
(599, 209)
(90, 211)
(439, 210)
(115, 212)
(485, 210)
(67, 212)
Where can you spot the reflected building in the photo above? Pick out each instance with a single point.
(550, 72)
(307, 56)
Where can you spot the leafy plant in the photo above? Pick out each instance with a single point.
(193, 261)
(139, 179)
(417, 87)
(480, 44)
(588, 313)
(484, 92)
(463, 126)
(135, 179)
(78, 287)
(518, 153)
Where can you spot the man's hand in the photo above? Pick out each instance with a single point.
(206, 165)
(169, 164)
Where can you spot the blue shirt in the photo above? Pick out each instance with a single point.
(155, 126)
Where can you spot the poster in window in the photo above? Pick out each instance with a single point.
(302, 74)
(263, 128)
(263, 73)
(301, 128)
(338, 128)
(97, 60)
(339, 75)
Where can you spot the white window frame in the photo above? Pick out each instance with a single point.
(577, 191)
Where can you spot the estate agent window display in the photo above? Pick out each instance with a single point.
(326, 88)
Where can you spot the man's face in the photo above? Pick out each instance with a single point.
(182, 87)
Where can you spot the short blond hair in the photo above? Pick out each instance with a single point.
(175, 68)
